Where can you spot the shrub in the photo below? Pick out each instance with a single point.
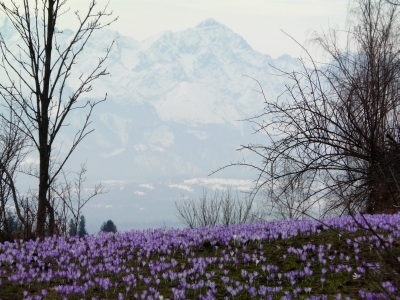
(108, 226)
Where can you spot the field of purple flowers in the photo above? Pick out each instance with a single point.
(266, 260)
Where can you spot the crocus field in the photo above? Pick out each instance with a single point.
(265, 260)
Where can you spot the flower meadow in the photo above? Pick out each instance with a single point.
(266, 260)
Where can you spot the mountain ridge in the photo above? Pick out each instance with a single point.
(171, 116)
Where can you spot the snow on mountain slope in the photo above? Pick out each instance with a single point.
(171, 113)
(200, 67)
(189, 86)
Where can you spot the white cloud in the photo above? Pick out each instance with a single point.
(144, 147)
(139, 193)
(88, 190)
(30, 160)
(115, 152)
(140, 147)
(100, 205)
(117, 182)
(182, 187)
(147, 186)
(222, 183)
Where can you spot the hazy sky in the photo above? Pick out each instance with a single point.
(257, 21)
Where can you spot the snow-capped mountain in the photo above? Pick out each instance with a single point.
(177, 97)
(193, 76)
(172, 111)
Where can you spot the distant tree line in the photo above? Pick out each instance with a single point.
(13, 225)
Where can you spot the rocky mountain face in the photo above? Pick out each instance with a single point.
(172, 114)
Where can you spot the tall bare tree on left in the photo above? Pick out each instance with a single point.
(35, 76)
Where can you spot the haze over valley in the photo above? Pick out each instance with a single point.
(172, 114)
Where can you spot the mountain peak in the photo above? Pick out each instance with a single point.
(210, 22)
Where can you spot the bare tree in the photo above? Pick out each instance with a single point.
(222, 209)
(23, 226)
(37, 76)
(287, 197)
(394, 2)
(200, 214)
(68, 197)
(13, 148)
(72, 193)
(338, 124)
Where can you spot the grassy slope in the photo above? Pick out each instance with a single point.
(267, 252)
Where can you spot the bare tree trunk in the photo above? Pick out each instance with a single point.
(42, 199)
(44, 148)
(45, 79)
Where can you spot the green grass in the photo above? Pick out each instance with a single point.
(273, 251)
